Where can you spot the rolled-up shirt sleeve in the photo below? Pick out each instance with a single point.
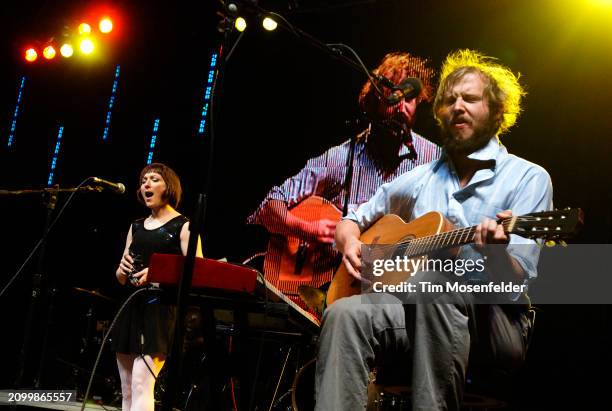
(534, 194)
(373, 209)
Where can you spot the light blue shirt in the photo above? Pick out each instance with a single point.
(512, 183)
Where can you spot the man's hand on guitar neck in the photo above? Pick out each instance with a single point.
(347, 242)
(489, 232)
(502, 265)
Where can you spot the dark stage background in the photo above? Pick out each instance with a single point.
(283, 102)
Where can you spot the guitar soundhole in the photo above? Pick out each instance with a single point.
(400, 250)
(300, 258)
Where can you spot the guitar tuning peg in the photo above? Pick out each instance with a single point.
(550, 243)
(562, 243)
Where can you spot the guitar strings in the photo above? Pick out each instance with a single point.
(447, 239)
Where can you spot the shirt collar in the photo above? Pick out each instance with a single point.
(489, 152)
(492, 151)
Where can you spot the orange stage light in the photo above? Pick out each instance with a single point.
(49, 52)
(105, 25)
(84, 28)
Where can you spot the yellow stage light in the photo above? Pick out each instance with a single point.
(106, 25)
(66, 50)
(31, 55)
(240, 24)
(269, 24)
(86, 46)
(84, 28)
(49, 52)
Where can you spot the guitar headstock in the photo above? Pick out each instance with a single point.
(549, 225)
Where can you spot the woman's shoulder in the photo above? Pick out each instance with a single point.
(177, 221)
(138, 224)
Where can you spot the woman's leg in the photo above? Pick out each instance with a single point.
(143, 381)
(125, 363)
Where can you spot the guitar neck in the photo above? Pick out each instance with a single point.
(449, 239)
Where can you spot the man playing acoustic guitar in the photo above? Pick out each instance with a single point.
(302, 213)
(473, 183)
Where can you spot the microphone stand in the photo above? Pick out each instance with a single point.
(39, 281)
(174, 362)
(49, 190)
(38, 284)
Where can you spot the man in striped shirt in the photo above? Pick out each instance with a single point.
(386, 149)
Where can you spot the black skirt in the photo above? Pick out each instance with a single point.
(146, 325)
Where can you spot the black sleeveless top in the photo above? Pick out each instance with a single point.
(165, 239)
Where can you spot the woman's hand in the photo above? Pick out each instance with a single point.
(140, 278)
(125, 268)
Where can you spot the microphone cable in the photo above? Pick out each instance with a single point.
(110, 329)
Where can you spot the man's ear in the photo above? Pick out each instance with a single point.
(499, 118)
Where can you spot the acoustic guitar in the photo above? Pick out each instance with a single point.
(432, 232)
(291, 262)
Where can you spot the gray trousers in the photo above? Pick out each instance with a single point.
(427, 343)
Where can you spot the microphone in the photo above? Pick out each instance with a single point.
(385, 81)
(116, 187)
(407, 89)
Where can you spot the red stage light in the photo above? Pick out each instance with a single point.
(31, 55)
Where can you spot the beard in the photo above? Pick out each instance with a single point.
(481, 135)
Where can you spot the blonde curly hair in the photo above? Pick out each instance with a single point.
(503, 91)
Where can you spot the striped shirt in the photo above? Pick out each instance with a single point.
(324, 175)
(511, 183)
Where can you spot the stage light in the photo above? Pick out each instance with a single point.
(66, 50)
(58, 143)
(111, 101)
(240, 24)
(84, 28)
(86, 46)
(269, 24)
(207, 93)
(31, 55)
(153, 141)
(11, 138)
(106, 25)
(49, 52)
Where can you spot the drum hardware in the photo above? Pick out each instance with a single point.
(313, 297)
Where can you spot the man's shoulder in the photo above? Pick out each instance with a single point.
(516, 164)
(426, 150)
(416, 137)
(415, 175)
(337, 152)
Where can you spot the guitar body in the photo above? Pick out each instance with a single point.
(390, 229)
(291, 262)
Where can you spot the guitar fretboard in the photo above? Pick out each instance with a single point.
(448, 239)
